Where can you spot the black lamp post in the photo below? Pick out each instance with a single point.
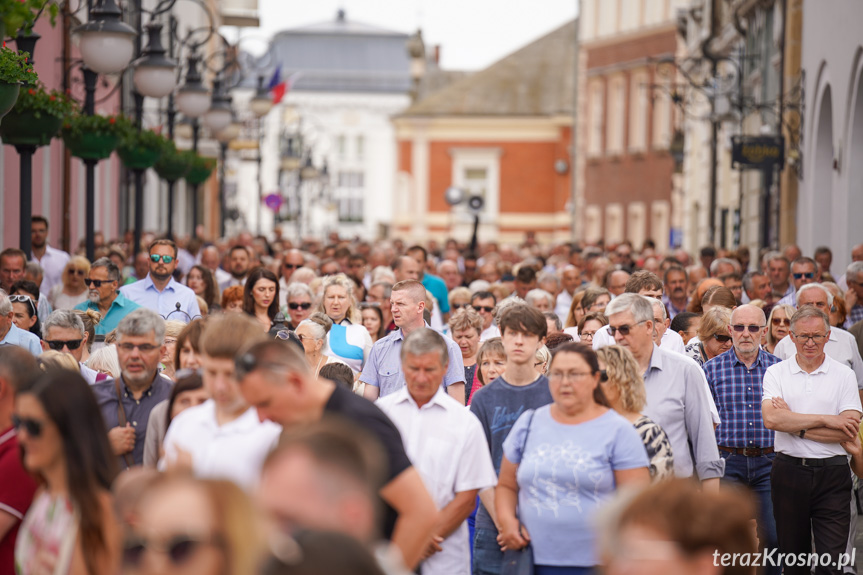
(26, 43)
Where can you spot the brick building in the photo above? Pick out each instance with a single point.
(504, 133)
(624, 173)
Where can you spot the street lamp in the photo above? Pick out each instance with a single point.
(262, 103)
(219, 116)
(107, 44)
(154, 72)
(193, 98)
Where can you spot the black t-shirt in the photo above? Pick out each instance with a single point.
(365, 414)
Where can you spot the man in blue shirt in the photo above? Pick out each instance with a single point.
(159, 291)
(735, 378)
(10, 334)
(103, 282)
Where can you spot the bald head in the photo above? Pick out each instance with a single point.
(748, 314)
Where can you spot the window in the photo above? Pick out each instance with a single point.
(662, 117)
(350, 196)
(654, 12)
(341, 146)
(616, 111)
(614, 223)
(636, 226)
(595, 117)
(361, 147)
(630, 14)
(607, 18)
(477, 171)
(638, 106)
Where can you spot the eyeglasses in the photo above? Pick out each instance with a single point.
(144, 347)
(568, 375)
(721, 338)
(587, 334)
(295, 306)
(752, 328)
(807, 275)
(815, 337)
(178, 548)
(57, 345)
(24, 299)
(98, 283)
(76, 272)
(285, 334)
(460, 305)
(33, 427)
(777, 321)
(623, 329)
(156, 257)
(481, 308)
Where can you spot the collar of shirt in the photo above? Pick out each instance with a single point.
(147, 392)
(404, 396)
(148, 283)
(823, 368)
(655, 359)
(246, 421)
(737, 361)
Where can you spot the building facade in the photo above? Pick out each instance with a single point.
(504, 134)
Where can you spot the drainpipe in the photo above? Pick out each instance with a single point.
(714, 68)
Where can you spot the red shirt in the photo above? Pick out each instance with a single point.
(17, 488)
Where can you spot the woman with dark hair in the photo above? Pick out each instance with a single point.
(201, 281)
(561, 463)
(261, 296)
(686, 324)
(186, 350)
(71, 525)
(373, 320)
(26, 317)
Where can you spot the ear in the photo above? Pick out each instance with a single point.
(85, 338)
(44, 345)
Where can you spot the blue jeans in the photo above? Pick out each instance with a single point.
(487, 556)
(754, 472)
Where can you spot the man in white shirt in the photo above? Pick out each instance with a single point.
(447, 445)
(484, 302)
(52, 261)
(811, 401)
(570, 279)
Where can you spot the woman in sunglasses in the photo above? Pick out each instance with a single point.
(299, 303)
(73, 290)
(780, 325)
(713, 337)
(185, 525)
(70, 527)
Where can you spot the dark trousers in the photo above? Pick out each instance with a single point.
(811, 503)
(754, 472)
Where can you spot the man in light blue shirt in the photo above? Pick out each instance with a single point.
(10, 334)
(159, 291)
(103, 281)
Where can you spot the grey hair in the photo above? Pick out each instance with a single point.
(808, 311)
(63, 319)
(5, 304)
(714, 265)
(535, 294)
(504, 304)
(747, 279)
(817, 286)
(295, 289)
(555, 318)
(548, 277)
(658, 304)
(383, 274)
(774, 255)
(388, 287)
(319, 323)
(640, 306)
(856, 268)
(142, 322)
(113, 270)
(105, 359)
(425, 340)
(33, 268)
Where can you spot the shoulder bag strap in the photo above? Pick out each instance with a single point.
(122, 420)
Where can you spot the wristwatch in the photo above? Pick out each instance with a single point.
(802, 433)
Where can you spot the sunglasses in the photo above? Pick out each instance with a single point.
(292, 266)
(721, 338)
(752, 328)
(177, 549)
(155, 258)
(807, 275)
(460, 305)
(76, 272)
(484, 308)
(623, 329)
(33, 427)
(295, 306)
(777, 321)
(98, 283)
(24, 299)
(57, 345)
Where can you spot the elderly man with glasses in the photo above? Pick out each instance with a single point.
(159, 291)
(810, 401)
(64, 331)
(804, 271)
(103, 283)
(746, 445)
(126, 402)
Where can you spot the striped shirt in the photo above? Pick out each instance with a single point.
(737, 391)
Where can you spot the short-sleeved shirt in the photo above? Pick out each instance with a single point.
(21, 338)
(829, 390)
(165, 302)
(841, 346)
(565, 472)
(363, 413)
(384, 366)
(497, 406)
(137, 410)
(120, 308)
(17, 488)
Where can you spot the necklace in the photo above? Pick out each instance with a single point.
(318, 368)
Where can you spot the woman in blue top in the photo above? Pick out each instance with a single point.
(561, 462)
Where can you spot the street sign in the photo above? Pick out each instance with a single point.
(757, 152)
(273, 201)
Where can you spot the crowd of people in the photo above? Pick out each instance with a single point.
(257, 406)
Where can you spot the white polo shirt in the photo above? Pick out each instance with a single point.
(446, 444)
(842, 346)
(234, 451)
(829, 390)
